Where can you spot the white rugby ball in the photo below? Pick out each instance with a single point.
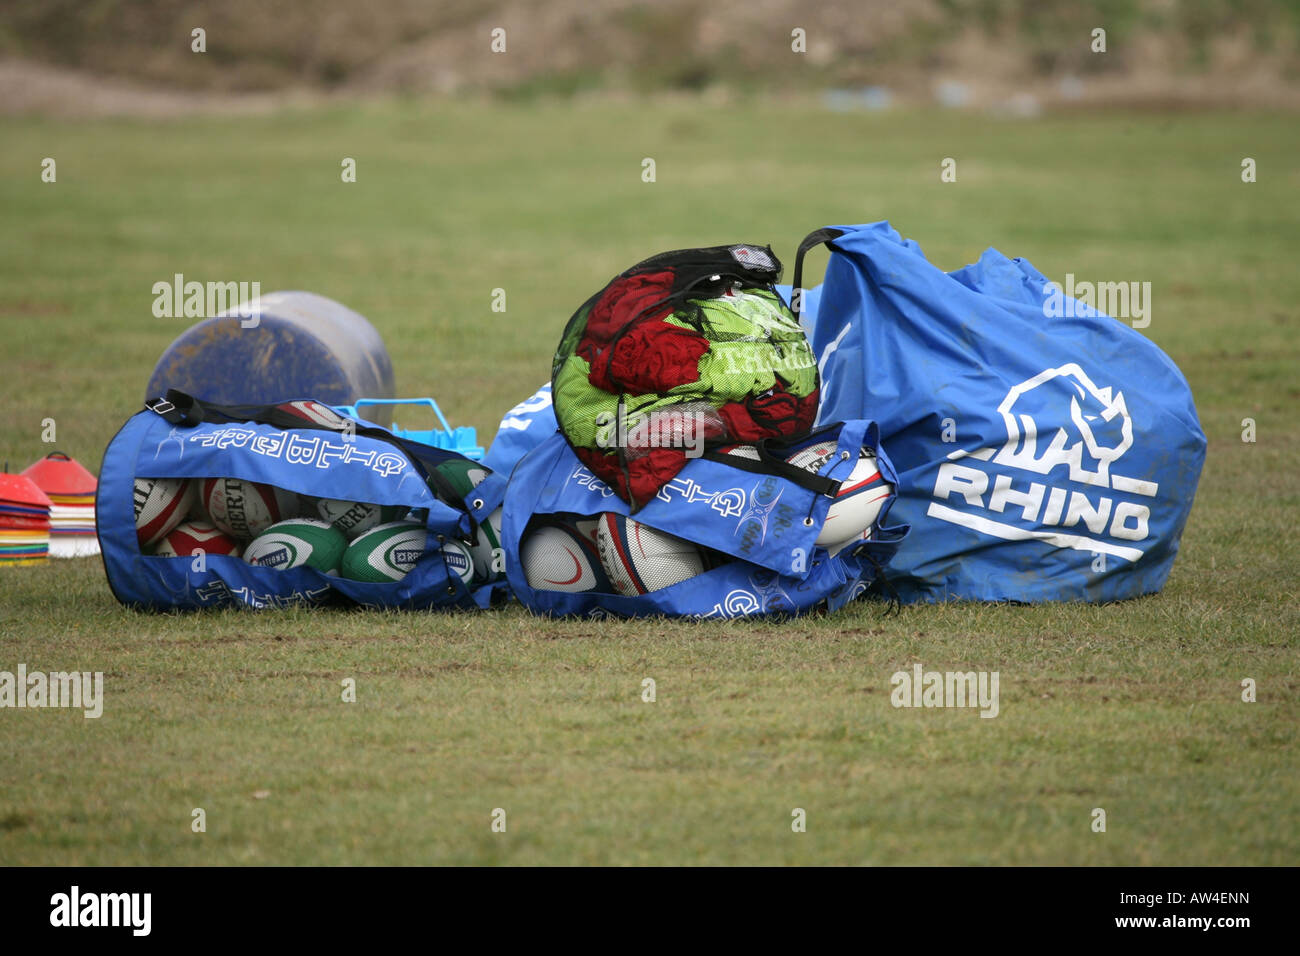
(560, 555)
(160, 505)
(640, 559)
(354, 518)
(244, 509)
(863, 491)
(741, 451)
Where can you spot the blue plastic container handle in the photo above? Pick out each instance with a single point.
(463, 440)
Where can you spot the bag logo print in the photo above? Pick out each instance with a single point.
(1097, 413)
(759, 512)
(172, 436)
(1057, 421)
(767, 595)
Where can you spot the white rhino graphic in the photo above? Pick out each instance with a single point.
(1095, 413)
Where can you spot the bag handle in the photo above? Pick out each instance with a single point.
(771, 461)
(816, 238)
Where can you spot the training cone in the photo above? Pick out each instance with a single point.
(24, 521)
(71, 491)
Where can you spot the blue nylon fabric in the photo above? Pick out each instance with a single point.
(711, 504)
(522, 429)
(307, 461)
(1075, 446)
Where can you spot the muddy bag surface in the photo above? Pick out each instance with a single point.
(1045, 451)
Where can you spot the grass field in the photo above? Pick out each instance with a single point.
(1133, 708)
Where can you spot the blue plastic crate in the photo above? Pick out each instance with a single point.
(463, 440)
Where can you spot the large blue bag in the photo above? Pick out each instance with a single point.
(764, 515)
(1044, 453)
(303, 447)
(522, 429)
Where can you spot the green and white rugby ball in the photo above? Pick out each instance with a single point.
(459, 561)
(462, 475)
(296, 543)
(385, 553)
(389, 552)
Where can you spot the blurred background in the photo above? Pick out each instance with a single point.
(1022, 55)
(1099, 137)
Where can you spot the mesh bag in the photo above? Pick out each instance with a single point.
(688, 350)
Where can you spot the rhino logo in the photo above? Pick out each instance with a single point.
(1097, 429)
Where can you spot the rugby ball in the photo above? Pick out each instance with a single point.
(560, 555)
(354, 518)
(459, 561)
(863, 491)
(741, 451)
(462, 475)
(587, 528)
(388, 552)
(244, 509)
(296, 543)
(639, 559)
(160, 505)
(489, 557)
(191, 536)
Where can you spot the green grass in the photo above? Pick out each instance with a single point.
(1134, 708)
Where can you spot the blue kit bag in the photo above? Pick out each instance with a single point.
(759, 518)
(302, 447)
(1045, 451)
(522, 429)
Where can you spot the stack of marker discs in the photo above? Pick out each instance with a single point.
(24, 521)
(71, 490)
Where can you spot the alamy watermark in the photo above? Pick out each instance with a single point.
(1119, 300)
(76, 909)
(667, 428)
(80, 690)
(922, 688)
(191, 299)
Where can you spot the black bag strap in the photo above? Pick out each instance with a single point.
(746, 262)
(176, 408)
(771, 460)
(816, 238)
(185, 411)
